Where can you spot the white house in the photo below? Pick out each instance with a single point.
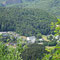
(41, 40)
(31, 39)
(2, 32)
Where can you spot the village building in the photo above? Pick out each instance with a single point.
(31, 39)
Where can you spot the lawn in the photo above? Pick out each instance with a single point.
(45, 38)
(50, 48)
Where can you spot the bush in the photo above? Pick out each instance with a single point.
(51, 43)
(7, 53)
(34, 52)
(39, 36)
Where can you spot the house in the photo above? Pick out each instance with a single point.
(41, 43)
(41, 40)
(12, 44)
(31, 39)
(2, 33)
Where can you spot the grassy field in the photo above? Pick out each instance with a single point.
(45, 38)
(50, 48)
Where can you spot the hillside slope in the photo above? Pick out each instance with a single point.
(26, 21)
(52, 6)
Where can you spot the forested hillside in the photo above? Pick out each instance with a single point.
(52, 6)
(27, 22)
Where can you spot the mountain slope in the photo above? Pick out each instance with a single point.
(13, 1)
(9, 2)
(52, 6)
(25, 21)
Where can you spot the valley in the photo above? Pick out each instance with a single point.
(29, 29)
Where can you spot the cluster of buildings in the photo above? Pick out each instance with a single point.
(28, 40)
(31, 39)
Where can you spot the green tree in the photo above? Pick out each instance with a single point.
(11, 53)
(39, 35)
(34, 52)
(56, 27)
(54, 53)
(50, 37)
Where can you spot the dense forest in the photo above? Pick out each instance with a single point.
(25, 21)
(52, 6)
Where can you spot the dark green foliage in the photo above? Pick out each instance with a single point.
(50, 37)
(51, 43)
(25, 21)
(33, 52)
(45, 43)
(52, 6)
(56, 27)
(39, 35)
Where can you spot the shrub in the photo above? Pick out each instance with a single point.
(34, 52)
